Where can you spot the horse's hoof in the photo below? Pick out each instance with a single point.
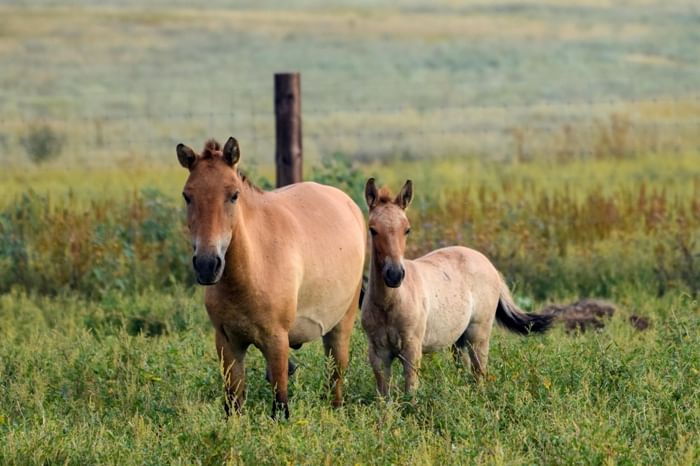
(231, 407)
(279, 406)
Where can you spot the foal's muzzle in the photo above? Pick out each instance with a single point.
(208, 269)
(393, 275)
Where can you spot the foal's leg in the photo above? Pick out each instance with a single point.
(459, 355)
(337, 345)
(232, 358)
(459, 351)
(380, 360)
(478, 336)
(410, 358)
(276, 352)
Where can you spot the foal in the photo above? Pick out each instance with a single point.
(448, 297)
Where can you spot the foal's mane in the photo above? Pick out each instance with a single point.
(384, 196)
(212, 149)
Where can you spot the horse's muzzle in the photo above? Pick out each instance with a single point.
(393, 275)
(208, 269)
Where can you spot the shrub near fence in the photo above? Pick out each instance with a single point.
(129, 244)
(547, 243)
(554, 244)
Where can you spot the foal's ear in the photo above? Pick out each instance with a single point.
(371, 194)
(185, 155)
(232, 153)
(404, 197)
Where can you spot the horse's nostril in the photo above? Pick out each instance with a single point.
(218, 263)
(194, 261)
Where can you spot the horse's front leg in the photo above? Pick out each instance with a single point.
(410, 355)
(380, 360)
(276, 352)
(232, 359)
(337, 345)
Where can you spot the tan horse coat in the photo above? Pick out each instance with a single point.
(291, 269)
(447, 298)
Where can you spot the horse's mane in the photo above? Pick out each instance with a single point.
(384, 196)
(249, 183)
(212, 149)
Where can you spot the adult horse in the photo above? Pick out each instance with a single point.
(448, 298)
(281, 268)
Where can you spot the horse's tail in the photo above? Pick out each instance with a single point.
(516, 320)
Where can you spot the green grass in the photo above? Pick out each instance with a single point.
(77, 382)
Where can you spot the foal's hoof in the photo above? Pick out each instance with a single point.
(337, 403)
(291, 369)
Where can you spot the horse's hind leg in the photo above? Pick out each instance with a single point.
(459, 351)
(291, 368)
(477, 342)
(337, 345)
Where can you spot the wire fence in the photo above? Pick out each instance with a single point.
(422, 125)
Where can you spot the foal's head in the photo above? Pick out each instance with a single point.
(388, 227)
(212, 193)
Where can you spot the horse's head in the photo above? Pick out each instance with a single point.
(388, 227)
(212, 193)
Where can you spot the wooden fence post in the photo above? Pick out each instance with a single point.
(288, 153)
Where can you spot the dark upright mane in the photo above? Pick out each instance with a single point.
(384, 196)
(249, 183)
(212, 149)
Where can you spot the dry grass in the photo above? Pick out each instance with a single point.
(105, 24)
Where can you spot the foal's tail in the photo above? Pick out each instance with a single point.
(516, 320)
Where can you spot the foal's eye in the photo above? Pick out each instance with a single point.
(408, 230)
(372, 231)
(187, 198)
(234, 197)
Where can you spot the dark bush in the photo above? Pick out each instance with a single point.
(42, 143)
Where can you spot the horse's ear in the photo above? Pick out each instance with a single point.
(405, 196)
(371, 194)
(232, 153)
(186, 156)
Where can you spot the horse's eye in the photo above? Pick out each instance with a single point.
(234, 197)
(187, 198)
(372, 231)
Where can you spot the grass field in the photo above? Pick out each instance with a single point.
(560, 138)
(78, 387)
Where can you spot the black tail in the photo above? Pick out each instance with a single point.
(516, 320)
